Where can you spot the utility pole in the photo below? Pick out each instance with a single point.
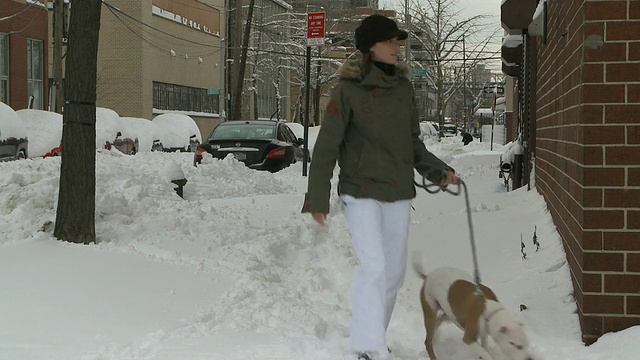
(58, 34)
(224, 43)
(233, 48)
(237, 98)
(464, 84)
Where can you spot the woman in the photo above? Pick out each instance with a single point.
(371, 129)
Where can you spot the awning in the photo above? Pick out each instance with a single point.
(512, 49)
(510, 69)
(516, 15)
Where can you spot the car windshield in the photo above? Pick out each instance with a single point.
(244, 131)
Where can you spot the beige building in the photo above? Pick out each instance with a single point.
(158, 56)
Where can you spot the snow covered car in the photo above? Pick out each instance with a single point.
(14, 142)
(428, 131)
(44, 128)
(178, 132)
(111, 132)
(124, 144)
(148, 133)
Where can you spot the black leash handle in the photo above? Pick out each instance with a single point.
(432, 188)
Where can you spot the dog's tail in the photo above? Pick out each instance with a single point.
(416, 262)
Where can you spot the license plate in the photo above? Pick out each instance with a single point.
(240, 156)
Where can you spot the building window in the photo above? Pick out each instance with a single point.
(35, 73)
(183, 98)
(4, 68)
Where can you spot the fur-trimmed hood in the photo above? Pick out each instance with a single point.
(352, 70)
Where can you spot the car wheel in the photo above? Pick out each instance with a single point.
(133, 151)
(21, 155)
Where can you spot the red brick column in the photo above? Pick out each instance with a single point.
(588, 153)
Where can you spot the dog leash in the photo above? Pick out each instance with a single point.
(433, 188)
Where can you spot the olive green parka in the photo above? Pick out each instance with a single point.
(371, 129)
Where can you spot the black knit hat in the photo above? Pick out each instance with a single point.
(375, 28)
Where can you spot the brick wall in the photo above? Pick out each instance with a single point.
(30, 24)
(588, 153)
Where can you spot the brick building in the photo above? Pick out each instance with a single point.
(576, 103)
(159, 56)
(23, 54)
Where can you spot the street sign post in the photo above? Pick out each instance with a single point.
(315, 37)
(315, 28)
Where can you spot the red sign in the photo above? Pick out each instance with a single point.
(315, 28)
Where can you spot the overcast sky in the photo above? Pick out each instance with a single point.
(468, 8)
(471, 7)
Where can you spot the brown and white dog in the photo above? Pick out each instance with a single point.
(450, 293)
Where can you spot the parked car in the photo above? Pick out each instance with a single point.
(106, 126)
(450, 130)
(56, 151)
(14, 142)
(44, 128)
(260, 144)
(124, 144)
(298, 131)
(111, 131)
(428, 131)
(179, 132)
(146, 131)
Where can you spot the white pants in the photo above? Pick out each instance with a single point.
(379, 232)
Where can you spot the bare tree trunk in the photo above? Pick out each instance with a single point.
(75, 217)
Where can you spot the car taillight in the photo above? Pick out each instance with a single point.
(199, 152)
(277, 153)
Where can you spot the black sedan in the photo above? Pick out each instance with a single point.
(260, 144)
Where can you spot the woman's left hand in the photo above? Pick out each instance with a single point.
(451, 179)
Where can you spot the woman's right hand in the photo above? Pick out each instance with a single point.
(320, 218)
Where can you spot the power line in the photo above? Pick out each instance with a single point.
(27, 7)
(7, 18)
(152, 27)
(155, 45)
